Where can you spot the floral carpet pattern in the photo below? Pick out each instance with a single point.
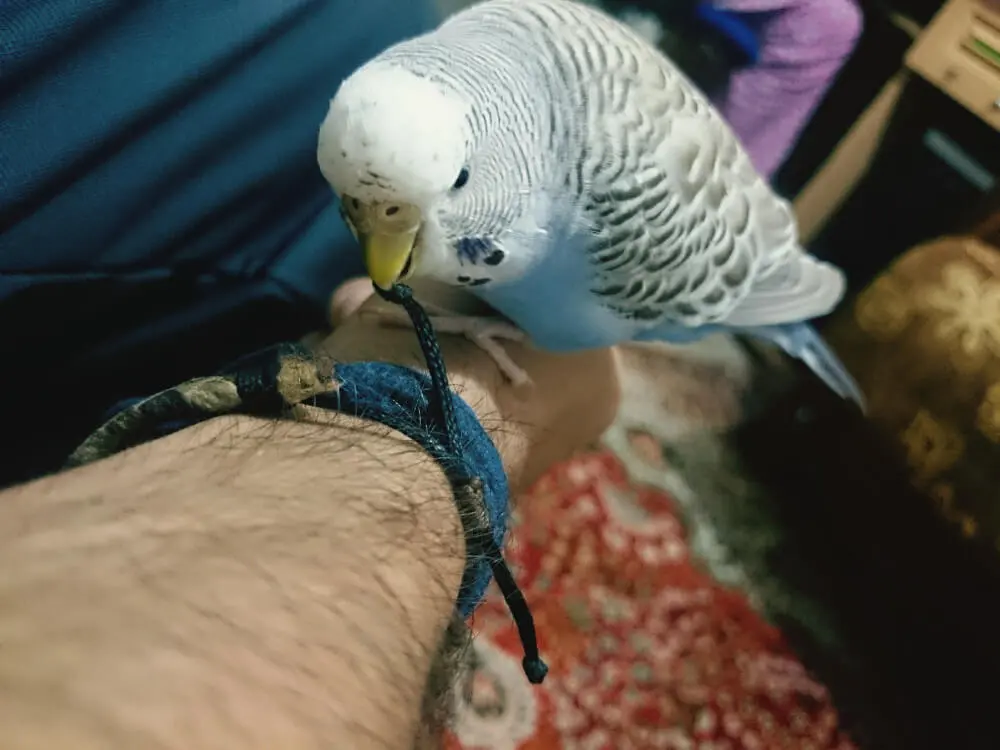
(647, 649)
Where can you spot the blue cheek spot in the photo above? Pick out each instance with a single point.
(474, 249)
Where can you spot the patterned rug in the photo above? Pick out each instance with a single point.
(649, 601)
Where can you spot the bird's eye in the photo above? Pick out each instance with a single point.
(463, 177)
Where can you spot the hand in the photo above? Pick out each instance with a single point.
(571, 401)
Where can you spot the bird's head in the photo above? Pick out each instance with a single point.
(425, 195)
(395, 148)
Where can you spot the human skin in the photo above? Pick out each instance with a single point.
(256, 584)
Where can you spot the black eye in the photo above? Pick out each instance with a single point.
(463, 177)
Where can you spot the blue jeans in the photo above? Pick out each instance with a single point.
(161, 210)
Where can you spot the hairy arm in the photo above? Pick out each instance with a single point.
(252, 584)
(240, 584)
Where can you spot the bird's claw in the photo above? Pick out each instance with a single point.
(483, 332)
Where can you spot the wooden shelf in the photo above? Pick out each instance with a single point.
(959, 53)
(940, 54)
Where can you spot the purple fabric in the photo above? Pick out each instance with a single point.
(804, 44)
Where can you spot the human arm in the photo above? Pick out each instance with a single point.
(253, 584)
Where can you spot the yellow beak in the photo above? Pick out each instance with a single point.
(387, 254)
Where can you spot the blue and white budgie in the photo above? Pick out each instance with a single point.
(543, 156)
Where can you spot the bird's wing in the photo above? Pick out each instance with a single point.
(685, 228)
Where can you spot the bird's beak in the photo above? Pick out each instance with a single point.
(387, 232)
(388, 255)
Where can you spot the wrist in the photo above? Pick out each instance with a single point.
(505, 415)
(401, 549)
(326, 457)
(425, 408)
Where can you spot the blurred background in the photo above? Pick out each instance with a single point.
(872, 545)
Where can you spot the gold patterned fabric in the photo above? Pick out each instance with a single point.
(924, 342)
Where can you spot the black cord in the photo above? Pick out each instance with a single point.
(440, 397)
(440, 400)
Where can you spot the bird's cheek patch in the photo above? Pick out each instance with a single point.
(475, 250)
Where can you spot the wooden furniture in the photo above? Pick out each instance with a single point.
(958, 53)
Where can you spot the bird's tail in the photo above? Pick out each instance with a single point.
(802, 341)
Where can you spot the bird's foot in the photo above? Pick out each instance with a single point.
(484, 332)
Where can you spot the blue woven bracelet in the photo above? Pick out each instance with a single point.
(398, 398)
(402, 399)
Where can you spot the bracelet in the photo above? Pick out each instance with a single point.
(420, 406)
(397, 397)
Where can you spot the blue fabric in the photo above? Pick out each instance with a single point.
(161, 210)
(734, 27)
(140, 135)
(398, 398)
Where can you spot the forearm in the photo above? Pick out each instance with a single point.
(239, 584)
(255, 584)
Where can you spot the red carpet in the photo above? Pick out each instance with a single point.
(646, 651)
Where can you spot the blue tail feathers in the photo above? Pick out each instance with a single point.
(799, 340)
(802, 341)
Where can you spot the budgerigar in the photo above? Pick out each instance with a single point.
(543, 156)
